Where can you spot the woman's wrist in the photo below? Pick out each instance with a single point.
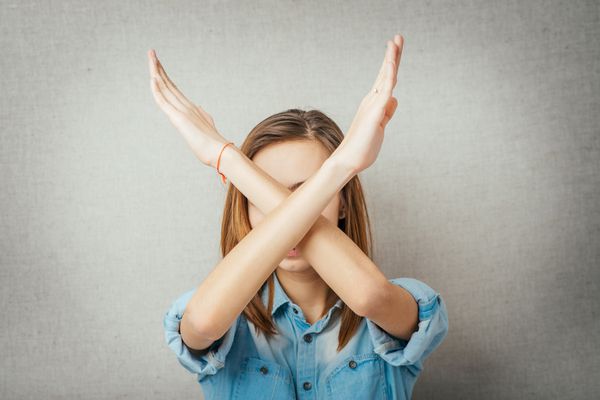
(341, 170)
(216, 151)
(226, 156)
(340, 164)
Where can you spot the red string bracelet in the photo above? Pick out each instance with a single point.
(223, 177)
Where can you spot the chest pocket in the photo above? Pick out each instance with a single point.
(357, 377)
(262, 379)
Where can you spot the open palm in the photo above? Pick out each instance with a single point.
(195, 125)
(362, 142)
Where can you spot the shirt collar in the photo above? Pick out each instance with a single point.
(280, 298)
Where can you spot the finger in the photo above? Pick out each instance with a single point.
(397, 43)
(388, 56)
(380, 99)
(164, 87)
(389, 80)
(178, 94)
(399, 40)
(394, 57)
(161, 99)
(172, 87)
(205, 114)
(387, 84)
(153, 60)
(158, 96)
(150, 63)
(377, 83)
(168, 95)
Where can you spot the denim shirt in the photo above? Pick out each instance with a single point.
(302, 363)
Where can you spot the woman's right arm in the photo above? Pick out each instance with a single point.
(234, 281)
(212, 308)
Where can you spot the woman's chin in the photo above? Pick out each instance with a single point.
(294, 264)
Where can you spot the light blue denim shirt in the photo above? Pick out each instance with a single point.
(302, 362)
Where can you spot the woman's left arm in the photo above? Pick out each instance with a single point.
(362, 286)
(326, 247)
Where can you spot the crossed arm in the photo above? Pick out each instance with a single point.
(292, 217)
(349, 272)
(289, 217)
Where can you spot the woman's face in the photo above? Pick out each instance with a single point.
(288, 163)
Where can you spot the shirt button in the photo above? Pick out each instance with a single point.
(308, 338)
(352, 364)
(264, 370)
(307, 386)
(296, 311)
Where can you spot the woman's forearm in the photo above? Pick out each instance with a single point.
(362, 285)
(230, 286)
(326, 248)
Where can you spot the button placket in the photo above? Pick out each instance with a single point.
(306, 365)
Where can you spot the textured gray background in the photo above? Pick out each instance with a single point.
(486, 187)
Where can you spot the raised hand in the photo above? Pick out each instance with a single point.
(363, 140)
(196, 125)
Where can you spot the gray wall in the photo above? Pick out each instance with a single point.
(486, 187)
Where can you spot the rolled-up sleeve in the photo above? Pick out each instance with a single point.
(212, 359)
(432, 328)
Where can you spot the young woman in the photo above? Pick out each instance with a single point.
(296, 308)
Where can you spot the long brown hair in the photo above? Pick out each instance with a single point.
(296, 124)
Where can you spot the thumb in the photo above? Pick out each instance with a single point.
(390, 108)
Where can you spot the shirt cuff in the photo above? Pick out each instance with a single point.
(432, 328)
(213, 359)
